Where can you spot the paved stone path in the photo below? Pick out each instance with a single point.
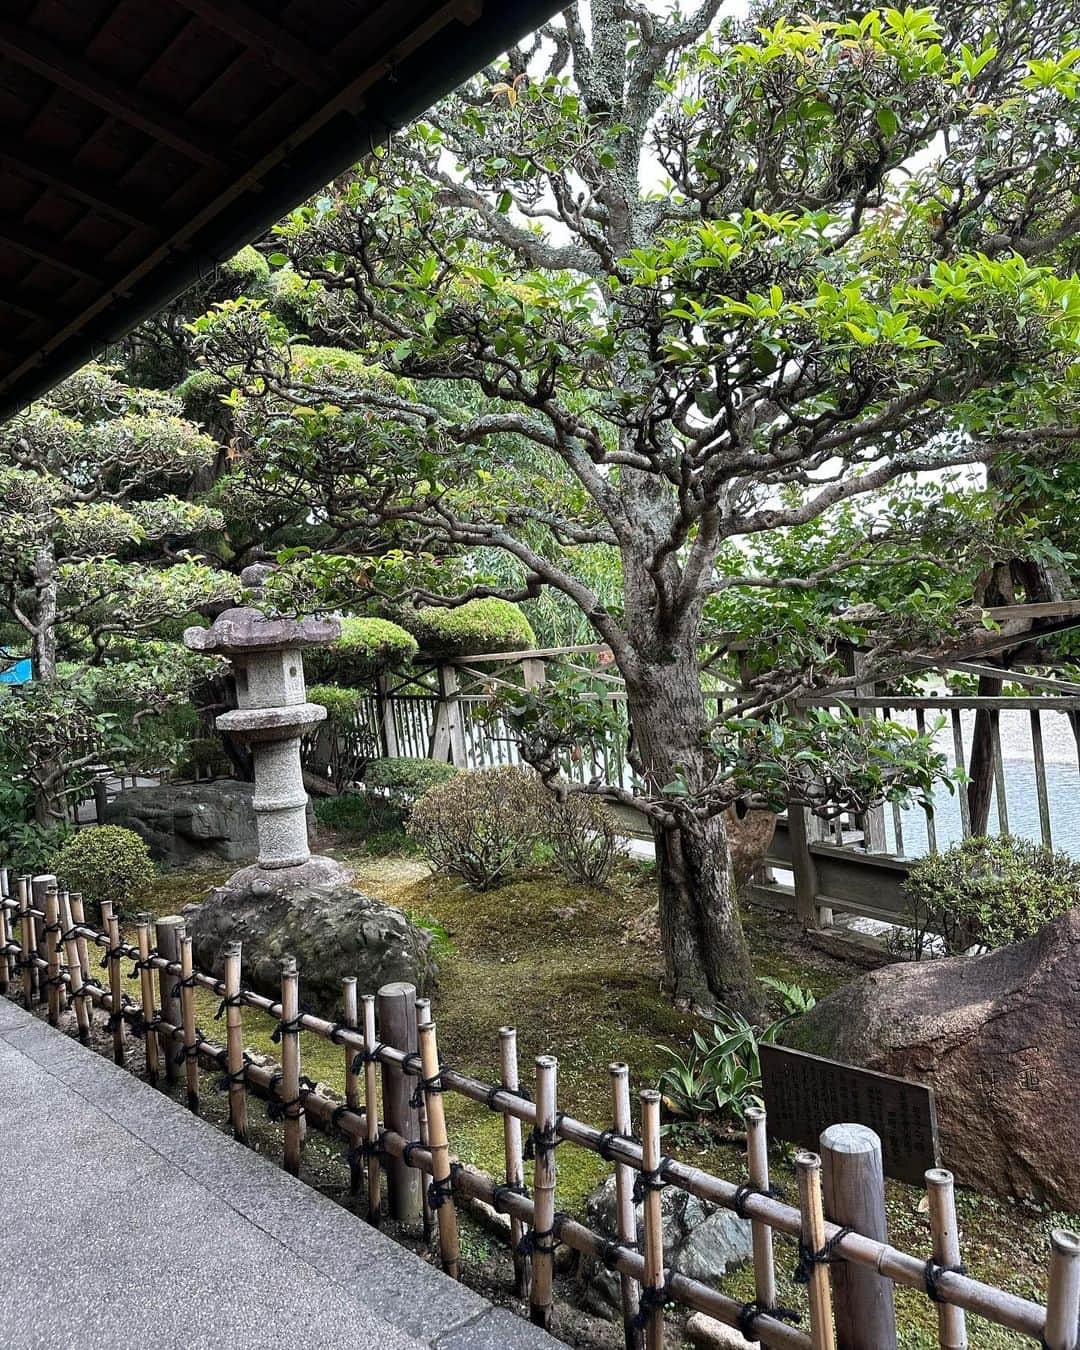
(128, 1221)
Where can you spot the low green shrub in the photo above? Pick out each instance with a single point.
(584, 838)
(481, 825)
(105, 862)
(341, 703)
(986, 892)
(350, 811)
(365, 647)
(480, 626)
(402, 780)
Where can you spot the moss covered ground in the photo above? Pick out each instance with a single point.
(577, 971)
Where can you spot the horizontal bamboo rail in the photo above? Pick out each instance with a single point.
(951, 1287)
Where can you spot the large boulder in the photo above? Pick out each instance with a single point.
(701, 1241)
(997, 1037)
(314, 913)
(185, 822)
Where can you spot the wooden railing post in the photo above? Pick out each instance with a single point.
(292, 1107)
(78, 918)
(80, 993)
(234, 1043)
(945, 1235)
(190, 1050)
(28, 940)
(515, 1173)
(543, 1234)
(148, 1020)
(39, 888)
(396, 1008)
(652, 1294)
(350, 1018)
(371, 1112)
(111, 959)
(625, 1217)
(757, 1161)
(812, 1242)
(167, 932)
(854, 1187)
(385, 706)
(442, 1189)
(52, 953)
(1063, 1293)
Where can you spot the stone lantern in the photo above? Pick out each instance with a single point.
(274, 714)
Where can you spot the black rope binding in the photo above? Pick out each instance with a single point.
(654, 1298)
(116, 1017)
(334, 1034)
(365, 1150)
(363, 1057)
(738, 1203)
(229, 1001)
(425, 1085)
(143, 963)
(932, 1272)
(140, 1026)
(543, 1141)
(440, 1193)
(750, 1313)
(187, 1052)
(187, 982)
(112, 954)
(541, 1242)
(650, 1181)
(825, 1257)
(603, 1144)
(610, 1253)
(236, 1079)
(505, 1188)
(288, 1027)
(493, 1105)
(408, 1149)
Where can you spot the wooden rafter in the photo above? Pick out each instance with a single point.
(37, 245)
(254, 30)
(44, 167)
(127, 105)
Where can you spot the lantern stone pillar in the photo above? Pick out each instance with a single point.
(273, 713)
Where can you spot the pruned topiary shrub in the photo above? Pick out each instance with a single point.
(105, 862)
(365, 647)
(401, 781)
(986, 892)
(482, 825)
(478, 627)
(584, 837)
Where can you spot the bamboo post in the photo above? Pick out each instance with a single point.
(234, 1043)
(78, 920)
(29, 945)
(290, 1063)
(653, 1248)
(442, 1193)
(6, 952)
(423, 1017)
(757, 1161)
(626, 1219)
(543, 1234)
(515, 1169)
(167, 932)
(1063, 1292)
(350, 1018)
(80, 994)
(945, 1238)
(111, 959)
(397, 1027)
(39, 888)
(146, 988)
(52, 954)
(854, 1196)
(960, 762)
(371, 1112)
(808, 1169)
(1039, 755)
(187, 1014)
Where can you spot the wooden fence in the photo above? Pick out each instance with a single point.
(848, 1268)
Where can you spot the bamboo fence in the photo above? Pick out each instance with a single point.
(536, 1224)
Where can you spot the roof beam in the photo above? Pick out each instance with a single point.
(45, 167)
(127, 105)
(45, 249)
(252, 29)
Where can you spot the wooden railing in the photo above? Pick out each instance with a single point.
(410, 1133)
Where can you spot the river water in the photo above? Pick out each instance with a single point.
(1021, 798)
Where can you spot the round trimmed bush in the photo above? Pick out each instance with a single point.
(987, 892)
(245, 271)
(482, 825)
(105, 862)
(403, 780)
(475, 628)
(340, 703)
(365, 647)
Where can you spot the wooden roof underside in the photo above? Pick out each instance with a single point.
(144, 141)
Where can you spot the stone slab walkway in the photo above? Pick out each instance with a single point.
(128, 1221)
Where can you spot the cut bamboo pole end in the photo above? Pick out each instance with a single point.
(290, 1064)
(442, 1193)
(757, 1163)
(371, 1112)
(625, 1218)
(146, 988)
(543, 1234)
(351, 1018)
(653, 1291)
(808, 1170)
(52, 953)
(187, 1013)
(1063, 1293)
(116, 986)
(234, 1043)
(945, 1240)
